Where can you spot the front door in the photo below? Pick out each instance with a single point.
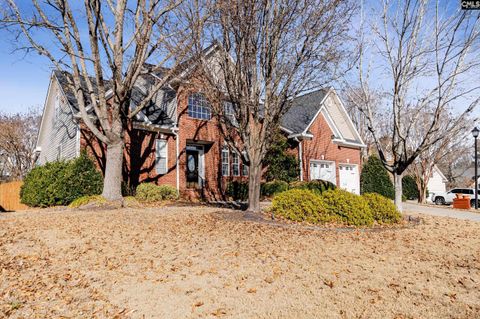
(192, 168)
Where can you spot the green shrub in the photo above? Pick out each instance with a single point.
(149, 192)
(300, 205)
(350, 208)
(274, 187)
(409, 187)
(237, 190)
(61, 182)
(375, 178)
(279, 163)
(318, 186)
(383, 209)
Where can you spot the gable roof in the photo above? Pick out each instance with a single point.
(158, 112)
(302, 111)
(306, 108)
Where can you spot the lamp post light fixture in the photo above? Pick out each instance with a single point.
(475, 132)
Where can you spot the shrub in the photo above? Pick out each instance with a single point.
(280, 164)
(375, 178)
(149, 192)
(237, 190)
(383, 209)
(86, 200)
(409, 187)
(274, 187)
(300, 205)
(61, 182)
(350, 208)
(318, 186)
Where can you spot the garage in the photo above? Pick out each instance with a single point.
(349, 177)
(324, 170)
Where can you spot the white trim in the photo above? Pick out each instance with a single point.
(228, 160)
(158, 155)
(300, 136)
(77, 141)
(44, 108)
(348, 144)
(300, 155)
(352, 126)
(331, 123)
(322, 104)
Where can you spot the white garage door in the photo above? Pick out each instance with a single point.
(349, 179)
(323, 170)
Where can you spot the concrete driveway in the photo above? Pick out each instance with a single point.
(441, 211)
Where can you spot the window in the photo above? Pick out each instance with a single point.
(225, 162)
(229, 112)
(161, 160)
(198, 107)
(244, 170)
(235, 164)
(244, 166)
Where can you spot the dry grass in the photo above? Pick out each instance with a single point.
(184, 262)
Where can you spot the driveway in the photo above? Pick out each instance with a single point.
(441, 211)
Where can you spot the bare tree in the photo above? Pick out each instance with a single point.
(449, 147)
(18, 134)
(120, 37)
(426, 54)
(270, 52)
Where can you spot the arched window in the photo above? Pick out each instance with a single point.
(198, 107)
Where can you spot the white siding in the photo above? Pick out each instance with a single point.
(435, 183)
(339, 118)
(58, 136)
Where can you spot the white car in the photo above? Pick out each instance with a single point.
(442, 198)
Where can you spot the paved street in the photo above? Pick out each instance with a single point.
(441, 211)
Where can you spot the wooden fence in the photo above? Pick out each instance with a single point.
(10, 196)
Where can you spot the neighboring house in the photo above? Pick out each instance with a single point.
(176, 141)
(437, 182)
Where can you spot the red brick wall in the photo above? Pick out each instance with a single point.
(321, 147)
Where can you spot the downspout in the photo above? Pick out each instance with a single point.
(177, 161)
(300, 157)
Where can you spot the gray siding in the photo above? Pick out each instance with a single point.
(58, 137)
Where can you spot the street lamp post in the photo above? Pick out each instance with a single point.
(475, 132)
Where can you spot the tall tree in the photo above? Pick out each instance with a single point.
(111, 40)
(18, 134)
(452, 144)
(428, 55)
(271, 51)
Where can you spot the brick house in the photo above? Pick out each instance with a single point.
(175, 141)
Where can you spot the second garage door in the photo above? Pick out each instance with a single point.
(349, 178)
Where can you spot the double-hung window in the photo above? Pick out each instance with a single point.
(235, 164)
(244, 167)
(225, 162)
(198, 107)
(161, 153)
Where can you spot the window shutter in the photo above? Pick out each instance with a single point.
(161, 156)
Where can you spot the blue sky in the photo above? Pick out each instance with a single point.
(23, 80)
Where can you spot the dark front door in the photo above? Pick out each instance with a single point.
(192, 169)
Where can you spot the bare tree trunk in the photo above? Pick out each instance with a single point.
(422, 193)
(398, 191)
(112, 185)
(254, 180)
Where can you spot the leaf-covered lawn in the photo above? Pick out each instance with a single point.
(189, 262)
